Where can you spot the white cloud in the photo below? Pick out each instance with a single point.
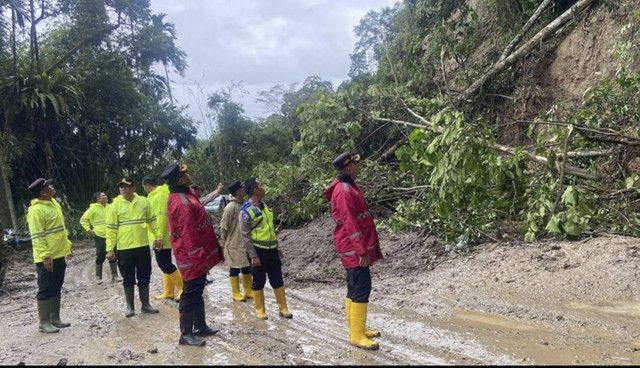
(262, 43)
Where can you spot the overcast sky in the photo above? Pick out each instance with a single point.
(261, 43)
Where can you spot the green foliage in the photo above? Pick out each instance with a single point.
(469, 184)
(99, 111)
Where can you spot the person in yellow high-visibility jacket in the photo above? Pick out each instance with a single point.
(158, 195)
(50, 243)
(127, 220)
(261, 242)
(93, 222)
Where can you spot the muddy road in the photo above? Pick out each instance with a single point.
(507, 303)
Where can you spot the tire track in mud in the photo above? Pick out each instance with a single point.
(317, 334)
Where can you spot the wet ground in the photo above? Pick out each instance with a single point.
(503, 304)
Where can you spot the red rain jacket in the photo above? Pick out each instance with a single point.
(355, 233)
(193, 240)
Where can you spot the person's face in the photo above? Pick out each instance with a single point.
(259, 191)
(126, 191)
(48, 191)
(353, 170)
(147, 188)
(240, 193)
(184, 180)
(102, 199)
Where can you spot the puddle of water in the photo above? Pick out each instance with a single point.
(542, 345)
(624, 308)
(496, 322)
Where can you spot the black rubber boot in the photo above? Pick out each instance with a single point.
(55, 313)
(200, 327)
(128, 295)
(143, 290)
(186, 330)
(114, 272)
(98, 274)
(44, 314)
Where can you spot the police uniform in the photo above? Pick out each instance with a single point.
(260, 240)
(235, 253)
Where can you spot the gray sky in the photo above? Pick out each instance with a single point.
(261, 43)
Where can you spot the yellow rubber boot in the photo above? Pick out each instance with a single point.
(258, 299)
(281, 299)
(367, 333)
(235, 289)
(177, 282)
(356, 327)
(246, 285)
(167, 286)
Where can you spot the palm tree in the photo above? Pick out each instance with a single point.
(157, 45)
(33, 105)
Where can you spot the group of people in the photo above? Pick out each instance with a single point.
(172, 221)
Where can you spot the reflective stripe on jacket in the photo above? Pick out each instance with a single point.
(355, 232)
(262, 230)
(94, 218)
(49, 236)
(193, 239)
(158, 198)
(127, 223)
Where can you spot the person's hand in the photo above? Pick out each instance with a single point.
(219, 188)
(48, 264)
(69, 256)
(157, 244)
(364, 260)
(111, 255)
(280, 254)
(255, 262)
(91, 233)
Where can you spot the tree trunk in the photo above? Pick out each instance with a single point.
(523, 50)
(525, 28)
(14, 42)
(8, 217)
(166, 73)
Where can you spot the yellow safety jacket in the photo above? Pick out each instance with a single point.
(159, 198)
(127, 223)
(263, 233)
(49, 236)
(94, 218)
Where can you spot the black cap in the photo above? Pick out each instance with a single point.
(234, 187)
(38, 184)
(125, 181)
(172, 171)
(345, 159)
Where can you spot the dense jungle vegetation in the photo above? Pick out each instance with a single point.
(439, 103)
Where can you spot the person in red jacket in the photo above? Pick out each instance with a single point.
(196, 250)
(357, 245)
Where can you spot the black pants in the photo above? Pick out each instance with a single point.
(101, 250)
(271, 266)
(192, 294)
(359, 284)
(50, 283)
(236, 271)
(163, 258)
(135, 262)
